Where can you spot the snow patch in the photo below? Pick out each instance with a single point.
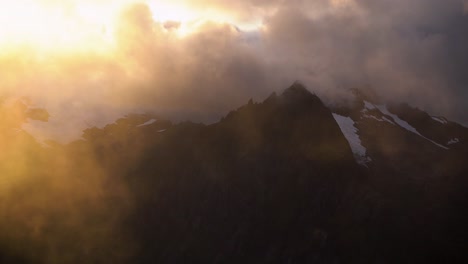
(149, 122)
(162, 130)
(373, 117)
(453, 141)
(404, 124)
(368, 105)
(400, 122)
(350, 132)
(440, 119)
(384, 119)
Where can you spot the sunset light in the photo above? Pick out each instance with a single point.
(48, 25)
(233, 131)
(83, 25)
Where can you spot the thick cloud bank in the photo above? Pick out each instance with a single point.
(412, 51)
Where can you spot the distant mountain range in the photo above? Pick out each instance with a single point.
(286, 180)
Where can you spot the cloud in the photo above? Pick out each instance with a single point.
(406, 51)
(63, 199)
(411, 51)
(210, 68)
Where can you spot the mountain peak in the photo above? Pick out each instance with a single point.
(297, 88)
(298, 94)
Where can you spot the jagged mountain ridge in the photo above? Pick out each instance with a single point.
(278, 182)
(240, 184)
(367, 109)
(407, 170)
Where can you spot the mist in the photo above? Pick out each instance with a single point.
(404, 52)
(197, 70)
(411, 52)
(56, 205)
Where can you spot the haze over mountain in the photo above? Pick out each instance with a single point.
(157, 131)
(284, 180)
(217, 54)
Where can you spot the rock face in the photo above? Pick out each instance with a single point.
(269, 183)
(287, 180)
(418, 165)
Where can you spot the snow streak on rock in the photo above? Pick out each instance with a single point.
(440, 119)
(404, 124)
(350, 132)
(149, 122)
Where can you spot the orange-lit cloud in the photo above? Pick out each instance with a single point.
(89, 62)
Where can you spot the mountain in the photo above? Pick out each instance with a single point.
(286, 180)
(418, 163)
(399, 124)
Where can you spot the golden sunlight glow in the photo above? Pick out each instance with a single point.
(54, 25)
(167, 11)
(191, 18)
(71, 25)
(86, 24)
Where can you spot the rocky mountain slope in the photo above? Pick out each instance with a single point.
(286, 180)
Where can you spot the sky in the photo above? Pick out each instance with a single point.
(90, 62)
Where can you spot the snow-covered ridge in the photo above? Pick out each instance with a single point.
(149, 122)
(369, 106)
(405, 125)
(384, 119)
(350, 132)
(440, 119)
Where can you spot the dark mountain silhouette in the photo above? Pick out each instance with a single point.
(287, 180)
(419, 167)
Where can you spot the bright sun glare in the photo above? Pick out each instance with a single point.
(74, 25)
(51, 24)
